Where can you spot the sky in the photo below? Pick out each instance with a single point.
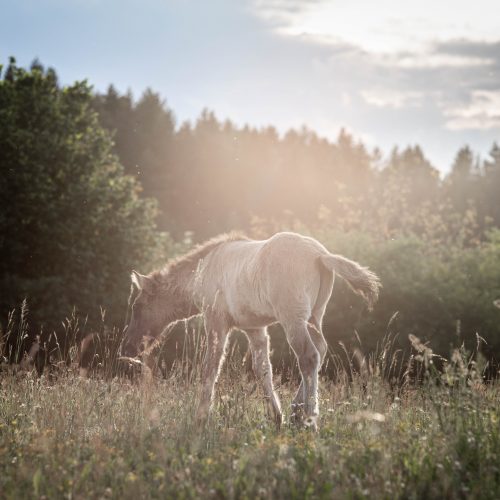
(392, 73)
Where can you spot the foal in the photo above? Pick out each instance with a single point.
(236, 282)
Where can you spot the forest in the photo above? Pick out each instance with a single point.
(96, 184)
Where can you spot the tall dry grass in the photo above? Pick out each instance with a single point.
(390, 427)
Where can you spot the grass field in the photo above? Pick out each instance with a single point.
(70, 437)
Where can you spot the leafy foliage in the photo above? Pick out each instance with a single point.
(72, 225)
(441, 294)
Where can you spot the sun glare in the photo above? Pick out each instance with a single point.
(387, 26)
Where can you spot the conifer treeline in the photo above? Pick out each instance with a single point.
(212, 176)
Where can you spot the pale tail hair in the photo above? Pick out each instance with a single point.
(360, 279)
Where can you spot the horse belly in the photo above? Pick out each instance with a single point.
(246, 318)
(248, 310)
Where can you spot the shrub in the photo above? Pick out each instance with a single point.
(72, 225)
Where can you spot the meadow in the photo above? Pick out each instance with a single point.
(389, 428)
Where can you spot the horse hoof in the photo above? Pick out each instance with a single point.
(311, 422)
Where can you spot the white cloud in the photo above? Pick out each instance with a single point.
(385, 26)
(425, 72)
(384, 98)
(481, 112)
(432, 59)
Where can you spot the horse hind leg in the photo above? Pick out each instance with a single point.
(308, 358)
(316, 335)
(315, 331)
(258, 340)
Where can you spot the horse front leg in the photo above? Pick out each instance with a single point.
(217, 333)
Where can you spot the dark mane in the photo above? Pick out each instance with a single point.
(193, 256)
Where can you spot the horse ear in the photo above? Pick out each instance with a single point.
(140, 281)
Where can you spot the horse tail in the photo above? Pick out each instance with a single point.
(360, 279)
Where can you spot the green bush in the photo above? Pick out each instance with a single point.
(72, 225)
(440, 293)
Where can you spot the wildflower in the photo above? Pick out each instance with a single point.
(131, 477)
(159, 474)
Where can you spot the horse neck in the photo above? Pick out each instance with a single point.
(181, 284)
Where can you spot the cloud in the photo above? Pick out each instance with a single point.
(383, 98)
(385, 26)
(456, 81)
(481, 112)
(426, 72)
(433, 59)
(473, 48)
